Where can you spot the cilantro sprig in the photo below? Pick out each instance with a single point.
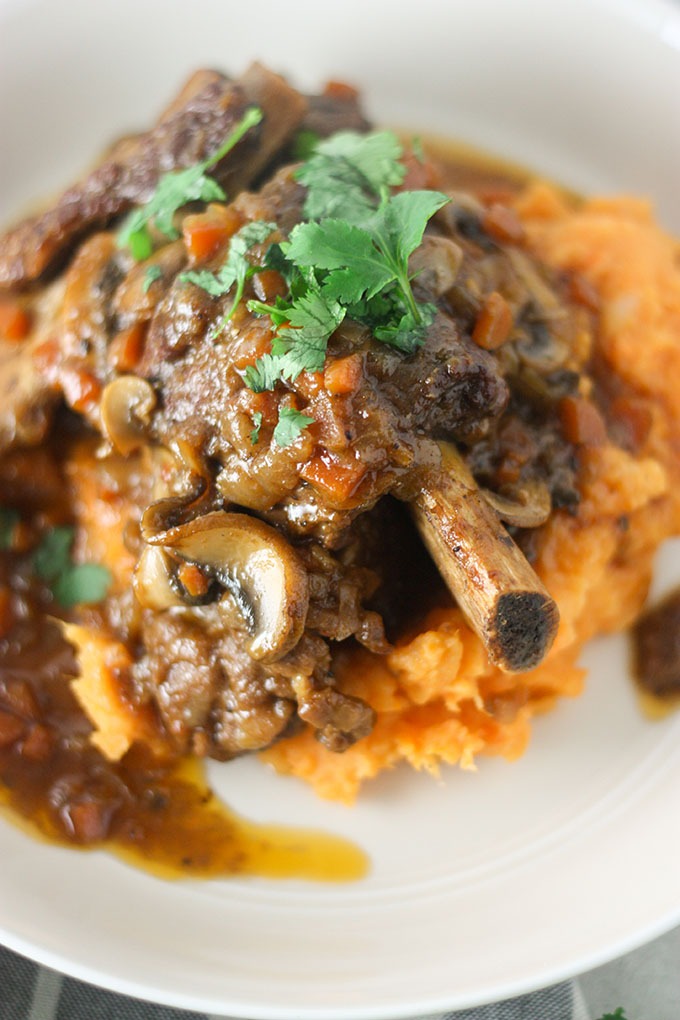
(71, 583)
(236, 270)
(347, 258)
(174, 190)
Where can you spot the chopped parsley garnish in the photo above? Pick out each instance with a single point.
(618, 1014)
(151, 274)
(71, 583)
(174, 190)
(236, 270)
(289, 426)
(8, 522)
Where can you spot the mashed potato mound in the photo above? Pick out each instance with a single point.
(437, 697)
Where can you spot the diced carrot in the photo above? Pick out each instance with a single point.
(81, 388)
(340, 90)
(582, 423)
(268, 285)
(338, 479)
(343, 375)
(192, 578)
(127, 347)
(204, 233)
(15, 322)
(309, 383)
(494, 323)
(503, 224)
(266, 404)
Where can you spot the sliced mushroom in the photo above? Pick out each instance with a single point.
(528, 506)
(126, 406)
(152, 580)
(435, 264)
(257, 566)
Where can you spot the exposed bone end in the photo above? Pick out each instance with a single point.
(503, 599)
(523, 629)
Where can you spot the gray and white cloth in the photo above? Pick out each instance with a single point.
(644, 984)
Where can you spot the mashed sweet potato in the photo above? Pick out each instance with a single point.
(437, 697)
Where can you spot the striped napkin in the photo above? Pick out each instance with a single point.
(643, 985)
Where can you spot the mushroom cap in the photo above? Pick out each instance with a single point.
(125, 407)
(257, 566)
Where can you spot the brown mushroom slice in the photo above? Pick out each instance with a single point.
(152, 580)
(528, 506)
(258, 567)
(125, 407)
(501, 596)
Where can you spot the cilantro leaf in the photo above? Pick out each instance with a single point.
(400, 223)
(257, 422)
(312, 319)
(348, 172)
(151, 274)
(289, 426)
(334, 244)
(305, 326)
(174, 190)
(236, 270)
(304, 143)
(350, 256)
(8, 522)
(81, 584)
(618, 1014)
(406, 334)
(264, 374)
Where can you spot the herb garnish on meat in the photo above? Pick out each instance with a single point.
(348, 258)
(175, 190)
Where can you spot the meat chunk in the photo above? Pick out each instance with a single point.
(191, 129)
(657, 648)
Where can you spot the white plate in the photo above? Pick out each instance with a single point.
(482, 885)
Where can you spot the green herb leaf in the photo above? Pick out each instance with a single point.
(8, 522)
(257, 422)
(264, 374)
(82, 584)
(151, 274)
(304, 144)
(53, 555)
(350, 257)
(300, 345)
(236, 270)
(361, 270)
(618, 1014)
(71, 583)
(348, 172)
(312, 319)
(290, 424)
(399, 224)
(174, 190)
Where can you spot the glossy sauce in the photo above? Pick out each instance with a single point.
(157, 815)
